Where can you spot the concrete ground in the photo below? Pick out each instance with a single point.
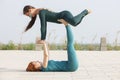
(93, 65)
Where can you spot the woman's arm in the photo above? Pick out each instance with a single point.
(43, 24)
(46, 52)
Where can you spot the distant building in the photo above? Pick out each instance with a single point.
(103, 44)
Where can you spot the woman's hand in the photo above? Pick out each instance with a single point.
(41, 42)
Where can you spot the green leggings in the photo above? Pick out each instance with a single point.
(72, 62)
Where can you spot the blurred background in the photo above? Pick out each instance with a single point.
(102, 22)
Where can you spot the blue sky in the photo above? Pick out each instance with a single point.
(104, 21)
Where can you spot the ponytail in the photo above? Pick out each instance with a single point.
(31, 23)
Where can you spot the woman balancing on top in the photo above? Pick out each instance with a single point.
(49, 16)
(69, 65)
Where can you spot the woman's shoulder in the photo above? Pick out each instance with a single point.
(42, 11)
(45, 10)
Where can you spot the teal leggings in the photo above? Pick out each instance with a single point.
(72, 62)
(73, 20)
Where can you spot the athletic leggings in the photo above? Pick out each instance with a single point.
(73, 20)
(72, 58)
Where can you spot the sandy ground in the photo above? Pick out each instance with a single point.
(93, 65)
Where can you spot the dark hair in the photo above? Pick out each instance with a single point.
(25, 10)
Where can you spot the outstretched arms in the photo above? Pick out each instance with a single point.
(45, 47)
(43, 25)
(46, 52)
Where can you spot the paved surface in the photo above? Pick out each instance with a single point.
(94, 65)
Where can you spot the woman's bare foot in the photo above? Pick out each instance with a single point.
(89, 11)
(63, 21)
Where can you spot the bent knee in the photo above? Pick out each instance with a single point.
(74, 68)
(66, 12)
(74, 23)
